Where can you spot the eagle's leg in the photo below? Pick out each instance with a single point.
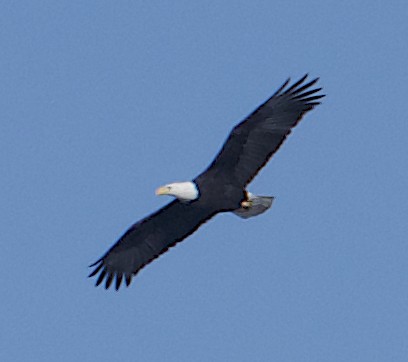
(254, 205)
(246, 204)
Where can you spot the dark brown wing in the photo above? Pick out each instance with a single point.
(253, 141)
(147, 239)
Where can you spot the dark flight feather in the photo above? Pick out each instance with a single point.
(252, 142)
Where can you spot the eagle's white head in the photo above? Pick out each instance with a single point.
(184, 191)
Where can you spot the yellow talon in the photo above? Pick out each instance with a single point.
(246, 204)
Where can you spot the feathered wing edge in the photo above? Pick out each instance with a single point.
(119, 276)
(100, 267)
(294, 92)
(187, 225)
(302, 99)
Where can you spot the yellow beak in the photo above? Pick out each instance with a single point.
(162, 191)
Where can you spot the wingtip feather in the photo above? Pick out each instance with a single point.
(96, 270)
(108, 281)
(282, 87)
(98, 261)
(128, 279)
(296, 84)
(118, 281)
(101, 277)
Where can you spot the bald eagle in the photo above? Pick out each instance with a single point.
(220, 188)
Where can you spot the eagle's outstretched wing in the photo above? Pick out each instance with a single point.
(146, 240)
(252, 142)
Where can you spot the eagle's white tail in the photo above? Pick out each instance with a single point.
(258, 205)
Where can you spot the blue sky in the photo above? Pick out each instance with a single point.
(101, 102)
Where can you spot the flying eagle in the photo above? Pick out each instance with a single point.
(220, 188)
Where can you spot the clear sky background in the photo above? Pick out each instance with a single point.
(101, 102)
